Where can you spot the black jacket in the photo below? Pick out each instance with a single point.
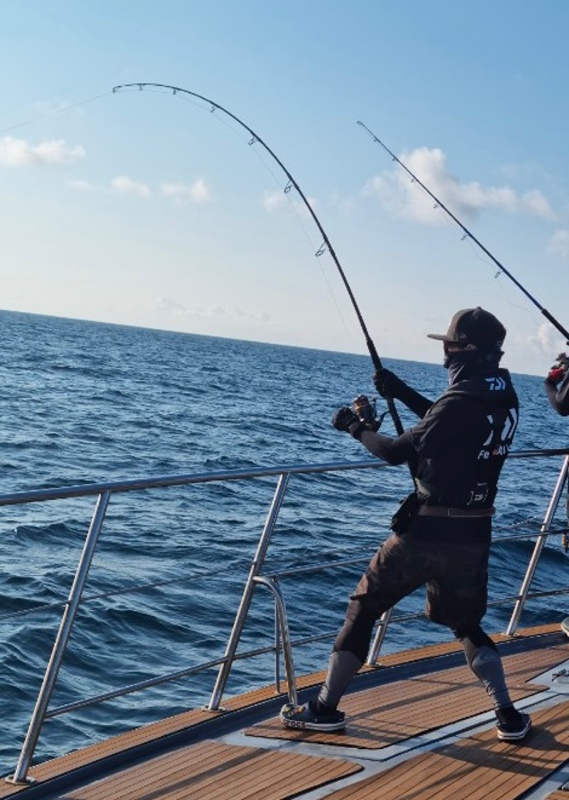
(459, 447)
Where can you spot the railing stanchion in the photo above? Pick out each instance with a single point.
(534, 560)
(254, 572)
(379, 637)
(273, 585)
(21, 773)
(277, 652)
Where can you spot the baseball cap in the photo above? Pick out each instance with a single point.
(473, 326)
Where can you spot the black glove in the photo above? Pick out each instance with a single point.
(386, 383)
(345, 419)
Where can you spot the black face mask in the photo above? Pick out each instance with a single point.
(467, 364)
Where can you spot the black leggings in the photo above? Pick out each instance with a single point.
(471, 637)
(355, 634)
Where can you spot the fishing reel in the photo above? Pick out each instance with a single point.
(365, 409)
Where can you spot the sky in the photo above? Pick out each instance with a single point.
(147, 208)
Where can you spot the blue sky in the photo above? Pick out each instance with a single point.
(143, 208)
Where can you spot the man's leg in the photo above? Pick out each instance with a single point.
(457, 598)
(395, 571)
(484, 660)
(349, 653)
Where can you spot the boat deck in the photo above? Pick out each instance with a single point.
(419, 726)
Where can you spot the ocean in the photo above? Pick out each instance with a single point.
(85, 402)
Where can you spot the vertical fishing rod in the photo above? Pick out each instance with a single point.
(291, 183)
(468, 234)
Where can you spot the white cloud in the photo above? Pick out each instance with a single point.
(546, 340)
(80, 185)
(17, 153)
(344, 204)
(272, 201)
(198, 191)
(221, 313)
(169, 306)
(255, 316)
(276, 201)
(535, 203)
(559, 244)
(232, 314)
(403, 197)
(122, 184)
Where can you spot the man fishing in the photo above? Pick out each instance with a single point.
(557, 385)
(442, 531)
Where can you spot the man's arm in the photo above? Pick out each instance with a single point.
(394, 451)
(558, 397)
(388, 384)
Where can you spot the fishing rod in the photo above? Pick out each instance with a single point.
(470, 235)
(327, 245)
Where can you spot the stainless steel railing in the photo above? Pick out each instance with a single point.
(541, 539)
(104, 492)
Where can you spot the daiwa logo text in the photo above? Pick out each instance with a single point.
(496, 384)
(499, 440)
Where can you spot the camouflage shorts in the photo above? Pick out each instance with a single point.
(455, 574)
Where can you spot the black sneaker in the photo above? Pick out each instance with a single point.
(513, 726)
(308, 718)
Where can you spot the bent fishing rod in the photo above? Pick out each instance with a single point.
(291, 183)
(468, 234)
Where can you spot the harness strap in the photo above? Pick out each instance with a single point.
(447, 511)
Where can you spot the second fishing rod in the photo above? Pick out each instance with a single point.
(468, 234)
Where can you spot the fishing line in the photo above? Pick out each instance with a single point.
(469, 235)
(524, 309)
(54, 113)
(326, 245)
(286, 191)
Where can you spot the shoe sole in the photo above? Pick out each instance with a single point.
(514, 737)
(311, 726)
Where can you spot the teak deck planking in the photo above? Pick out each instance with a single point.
(388, 714)
(213, 771)
(477, 768)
